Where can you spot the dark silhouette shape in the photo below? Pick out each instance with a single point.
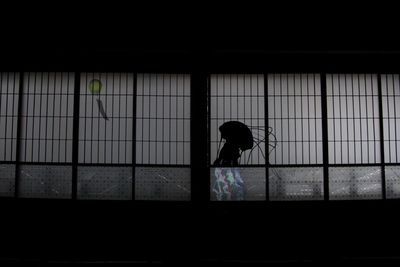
(238, 138)
(237, 133)
(101, 109)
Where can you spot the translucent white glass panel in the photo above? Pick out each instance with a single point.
(105, 183)
(163, 119)
(47, 117)
(106, 117)
(392, 174)
(391, 117)
(162, 183)
(294, 118)
(45, 181)
(9, 87)
(238, 98)
(355, 183)
(296, 183)
(353, 118)
(7, 180)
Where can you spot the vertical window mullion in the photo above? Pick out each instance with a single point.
(325, 147)
(75, 137)
(382, 142)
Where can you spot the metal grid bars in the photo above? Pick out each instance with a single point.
(391, 117)
(47, 117)
(163, 119)
(238, 98)
(9, 84)
(106, 117)
(353, 119)
(294, 119)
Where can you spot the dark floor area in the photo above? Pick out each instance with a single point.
(288, 233)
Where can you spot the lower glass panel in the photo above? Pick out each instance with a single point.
(162, 183)
(45, 181)
(347, 183)
(114, 183)
(305, 183)
(235, 184)
(392, 174)
(7, 180)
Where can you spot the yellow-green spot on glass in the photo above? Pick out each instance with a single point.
(95, 86)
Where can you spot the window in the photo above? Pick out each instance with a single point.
(9, 84)
(46, 135)
(133, 136)
(353, 126)
(106, 118)
(295, 120)
(391, 132)
(353, 119)
(163, 137)
(238, 98)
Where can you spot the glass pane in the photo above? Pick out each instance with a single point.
(163, 119)
(236, 97)
(45, 181)
(355, 183)
(353, 118)
(392, 174)
(9, 85)
(391, 117)
(237, 184)
(296, 183)
(106, 118)
(294, 118)
(105, 182)
(47, 117)
(7, 180)
(162, 183)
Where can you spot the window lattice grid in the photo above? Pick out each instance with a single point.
(163, 119)
(391, 117)
(295, 118)
(106, 117)
(47, 117)
(353, 119)
(9, 86)
(239, 97)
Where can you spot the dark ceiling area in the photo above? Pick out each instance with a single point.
(206, 38)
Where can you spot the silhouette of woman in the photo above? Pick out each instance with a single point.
(229, 184)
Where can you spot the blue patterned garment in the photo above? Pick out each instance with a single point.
(228, 184)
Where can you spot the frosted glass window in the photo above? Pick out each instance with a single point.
(353, 118)
(163, 119)
(239, 98)
(106, 118)
(346, 183)
(392, 174)
(162, 183)
(105, 182)
(296, 183)
(9, 87)
(45, 181)
(7, 180)
(47, 117)
(391, 117)
(294, 118)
